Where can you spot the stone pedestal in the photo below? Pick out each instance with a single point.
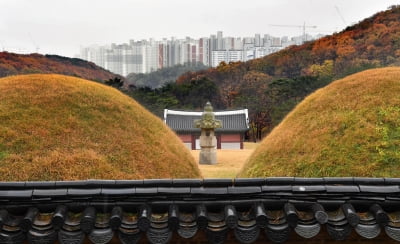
(208, 142)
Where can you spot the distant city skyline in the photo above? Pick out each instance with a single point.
(63, 26)
(144, 56)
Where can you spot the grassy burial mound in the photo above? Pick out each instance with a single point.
(349, 128)
(55, 127)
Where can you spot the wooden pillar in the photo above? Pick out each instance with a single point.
(219, 141)
(193, 142)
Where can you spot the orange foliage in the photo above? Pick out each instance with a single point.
(13, 64)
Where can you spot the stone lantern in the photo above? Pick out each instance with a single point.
(208, 142)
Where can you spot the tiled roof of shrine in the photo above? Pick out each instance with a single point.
(183, 121)
(154, 210)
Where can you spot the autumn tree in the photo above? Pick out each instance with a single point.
(251, 95)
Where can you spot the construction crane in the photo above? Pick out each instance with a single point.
(304, 26)
(340, 15)
(34, 43)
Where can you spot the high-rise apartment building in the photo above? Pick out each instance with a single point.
(95, 54)
(204, 54)
(220, 41)
(238, 43)
(113, 59)
(257, 40)
(226, 56)
(136, 58)
(151, 56)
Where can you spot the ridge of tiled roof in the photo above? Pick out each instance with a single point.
(155, 209)
(199, 113)
(183, 121)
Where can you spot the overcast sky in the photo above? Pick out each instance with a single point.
(62, 26)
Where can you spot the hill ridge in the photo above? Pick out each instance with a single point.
(15, 64)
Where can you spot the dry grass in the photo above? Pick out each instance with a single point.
(229, 162)
(349, 128)
(55, 127)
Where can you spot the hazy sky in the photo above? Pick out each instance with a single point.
(62, 26)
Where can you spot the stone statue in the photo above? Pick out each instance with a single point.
(208, 142)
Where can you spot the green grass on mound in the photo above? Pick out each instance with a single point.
(55, 127)
(349, 128)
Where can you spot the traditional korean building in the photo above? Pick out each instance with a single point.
(231, 136)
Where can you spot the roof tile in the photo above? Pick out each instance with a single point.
(306, 181)
(174, 190)
(308, 188)
(279, 180)
(249, 181)
(279, 188)
(83, 192)
(8, 185)
(339, 180)
(15, 194)
(61, 192)
(342, 189)
(209, 182)
(379, 189)
(209, 190)
(119, 191)
(146, 190)
(368, 180)
(244, 190)
(186, 182)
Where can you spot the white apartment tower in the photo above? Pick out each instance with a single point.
(220, 41)
(204, 54)
(257, 40)
(113, 59)
(151, 56)
(226, 56)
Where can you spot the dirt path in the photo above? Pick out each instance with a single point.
(229, 162)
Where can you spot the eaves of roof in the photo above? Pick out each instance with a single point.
(234, 122)
(69, 211)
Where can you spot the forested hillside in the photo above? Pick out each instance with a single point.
(162, 76)
(14, 64)
(271, 86)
